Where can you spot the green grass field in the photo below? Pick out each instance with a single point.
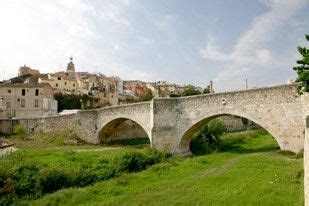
(248, 170)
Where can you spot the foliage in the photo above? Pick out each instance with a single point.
(136, 161)
(22, 177)
(19, 130)
(131, 141)
(251, 176)
(73, 101)
(191, 90)
(206, 140)
(206, 90)
(303, 69)
(147, 97)
(175, 95)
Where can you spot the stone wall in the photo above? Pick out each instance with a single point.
(170, 122)
(127, 130)
(235, 124)
(278, 109)
(63, 123)
(91, 123)
(7, 125)
(306, 163)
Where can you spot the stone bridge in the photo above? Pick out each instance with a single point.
(171, 122)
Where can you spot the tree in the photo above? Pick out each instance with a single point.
(207, 138)
(206, 90)
(302, 68)
(146, 97)
(191, 90)
(73, 101)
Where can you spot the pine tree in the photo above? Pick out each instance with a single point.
(302, 69)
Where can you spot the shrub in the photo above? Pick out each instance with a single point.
(207, 140)
(136, 161)
(19, 130)
(54, 179)
(31, 180)
(131, 142)
(25, 183)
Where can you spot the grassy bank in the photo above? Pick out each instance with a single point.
(33, 171)
(249, 169)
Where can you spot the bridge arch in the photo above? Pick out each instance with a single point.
(121, 128)
(190, 129)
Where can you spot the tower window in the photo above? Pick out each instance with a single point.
(36, 103)
(23, 103)
(36, 92)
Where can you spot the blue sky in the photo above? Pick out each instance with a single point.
(181, 41)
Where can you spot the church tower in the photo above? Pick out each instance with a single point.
(71, 68)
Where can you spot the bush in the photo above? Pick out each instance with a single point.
(19, 130)
(136, 161)
(26, 183)
(31, 180)
(54, 179)
(131, 142)
(207, 139)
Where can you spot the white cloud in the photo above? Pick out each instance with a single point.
(263, 55)
(44, 34)
(250, 52)
(114, 14)
(211, 51)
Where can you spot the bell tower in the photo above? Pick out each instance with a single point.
(71, 68)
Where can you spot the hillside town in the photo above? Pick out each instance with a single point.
(31, 94)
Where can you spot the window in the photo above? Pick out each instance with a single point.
(73, 85)
(59, 78)
(23, 92)
(8, 104)
(9, 91)
(36, 92)
(65, 83)
(56, 85)
(23, 103)
(36, 103)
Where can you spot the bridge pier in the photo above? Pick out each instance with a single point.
(306, 163)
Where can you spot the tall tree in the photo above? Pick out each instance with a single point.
(302, 68)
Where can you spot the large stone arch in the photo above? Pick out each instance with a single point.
(188, 131)
(279, 110)
(107, 131)
(91, 122)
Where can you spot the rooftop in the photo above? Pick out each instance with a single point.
(27, 85)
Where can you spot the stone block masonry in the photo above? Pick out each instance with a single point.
(171, 122)
(306, 162)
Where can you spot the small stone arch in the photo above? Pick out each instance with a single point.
(186, 136)
(109, 131)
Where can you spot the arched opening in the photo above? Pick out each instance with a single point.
(123, 131)
(226, 132)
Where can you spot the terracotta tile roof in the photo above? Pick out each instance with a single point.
(26, 85)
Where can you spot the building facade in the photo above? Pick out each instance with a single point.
(27, 100)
